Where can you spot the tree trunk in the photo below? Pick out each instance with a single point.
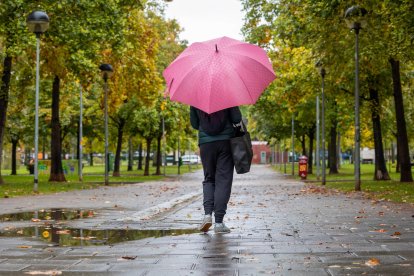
(140, 156)
(333, 165)
(392, 153)
(303, 144)
(130, 154)
(44, 146)
(90, 154)
(117, 163)
(147, 159)
(4, 100)
(14, 159)
(56, 169)
(158, 171)
(311, 135)
(398, 165)
(26, 155)
(338, 150)
(403, 148)
(381, 172)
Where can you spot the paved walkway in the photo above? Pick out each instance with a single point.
(279, 227)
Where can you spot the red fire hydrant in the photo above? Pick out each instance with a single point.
(303, 167)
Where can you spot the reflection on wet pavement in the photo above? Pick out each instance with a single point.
(52, 214)
(51, 230)
(62, 236)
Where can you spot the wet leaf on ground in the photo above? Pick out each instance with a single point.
(129, 257)
(372, 262)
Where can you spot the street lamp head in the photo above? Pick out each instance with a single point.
(355, 18)
(321, 69)
(107, 70)
(38, 22)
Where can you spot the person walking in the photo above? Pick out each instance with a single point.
(214, 133)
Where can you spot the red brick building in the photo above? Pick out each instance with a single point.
(261, 152)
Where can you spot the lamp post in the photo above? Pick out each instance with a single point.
(80, 133)
(38, 23)
(318, 162)
(354, 17)
(293, 144)
(322, 72)
(106, 74)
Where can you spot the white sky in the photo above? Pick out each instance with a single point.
(207, 19)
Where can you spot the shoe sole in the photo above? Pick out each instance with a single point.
(205, 227)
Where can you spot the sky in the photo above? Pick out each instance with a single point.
(207, 19)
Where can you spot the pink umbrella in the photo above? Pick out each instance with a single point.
(218, 74)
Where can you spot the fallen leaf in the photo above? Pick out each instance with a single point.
(24, 246)
(46, 272)
(129, 257)
(372, 262)
(63, 232)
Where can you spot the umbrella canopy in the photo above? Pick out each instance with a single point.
(218, 74)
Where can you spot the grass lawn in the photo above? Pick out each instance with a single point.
(391, 190)
(22, 183)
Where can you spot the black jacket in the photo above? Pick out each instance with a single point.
(228, 131)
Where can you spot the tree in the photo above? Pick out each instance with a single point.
(136, 80)
(74, 43)
(318, 27)
(147, 122)
(13, 38)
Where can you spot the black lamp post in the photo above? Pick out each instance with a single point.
(354, 17)
(106, 74)
(38, 23)
(322, 72)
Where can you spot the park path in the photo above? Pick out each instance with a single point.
(279, 227)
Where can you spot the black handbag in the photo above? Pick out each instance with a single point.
(241, 148)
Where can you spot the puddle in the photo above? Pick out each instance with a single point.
(62, 236)
(52, 214)
(51, 231)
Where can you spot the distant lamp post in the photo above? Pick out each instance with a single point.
(322, 72)
(38, 23)
(80, 134)
(293, 144)
(355, 19)
(106, 74)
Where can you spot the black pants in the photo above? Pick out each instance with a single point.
(218, 177)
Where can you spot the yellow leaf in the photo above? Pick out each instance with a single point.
(372, 262)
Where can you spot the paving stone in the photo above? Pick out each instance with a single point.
(11, 267)
(90, 265)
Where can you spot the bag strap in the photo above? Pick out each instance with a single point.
(241, 125)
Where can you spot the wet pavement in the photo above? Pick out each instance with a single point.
(279, 227)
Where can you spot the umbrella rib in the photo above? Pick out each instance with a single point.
(187, 75)
(247, 89)
(188, 72)
(256, 61)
